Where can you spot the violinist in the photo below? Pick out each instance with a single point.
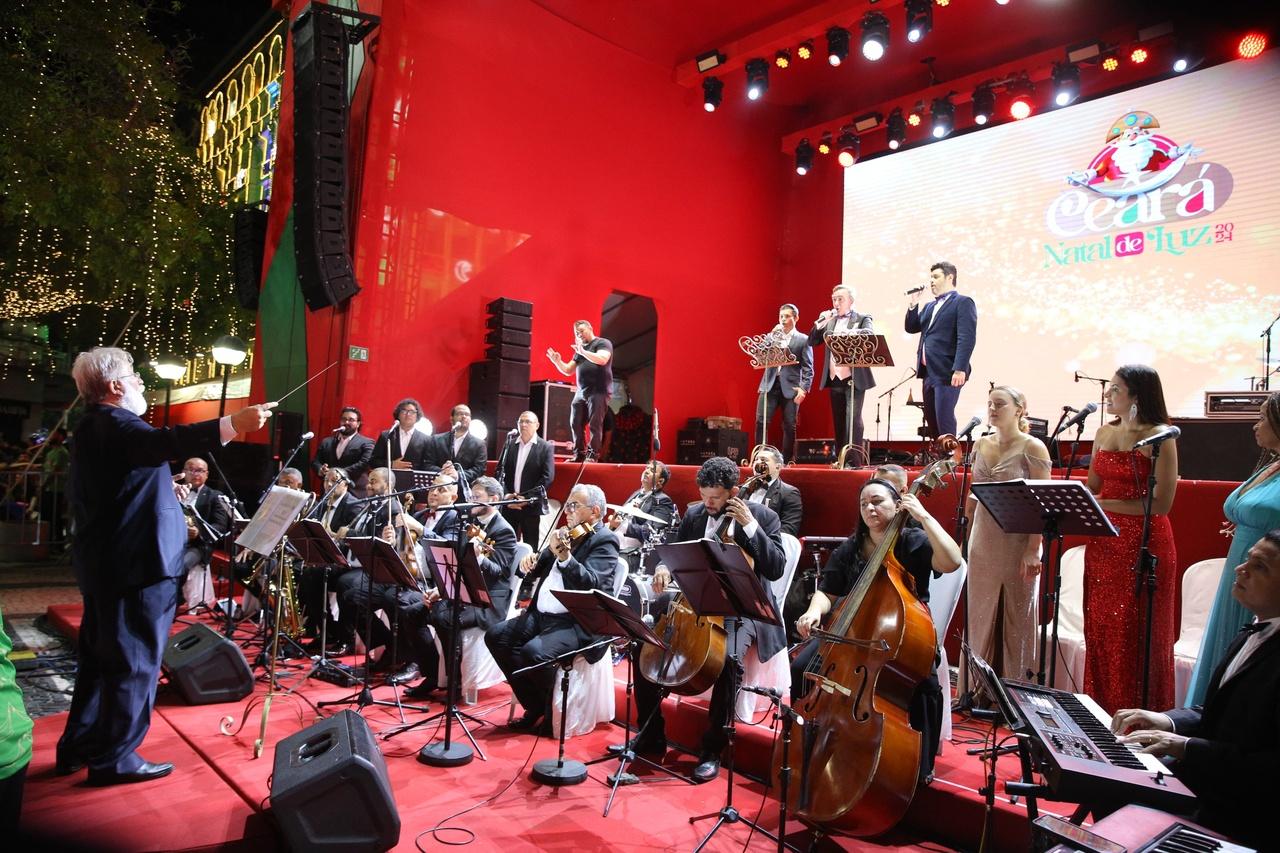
(633, 532)
(494, 543)
(757, 530)
(922, 552)
(336, 511)
(769, 489)
(546, 630)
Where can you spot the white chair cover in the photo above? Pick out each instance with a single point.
(944, 593)
(776, 671)
(198, 587)
(1071, 649)
(547, 519)
(591, 699)
(1199, 586)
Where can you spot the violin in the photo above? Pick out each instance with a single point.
(486, 543)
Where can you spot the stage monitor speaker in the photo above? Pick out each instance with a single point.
(320, 245)
(250, 228)
(206, 667)
(550, 401)
(1216, 448)
(330, 791)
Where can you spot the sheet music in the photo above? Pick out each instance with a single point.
(269, 523)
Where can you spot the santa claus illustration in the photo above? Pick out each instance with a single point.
(1133, 156)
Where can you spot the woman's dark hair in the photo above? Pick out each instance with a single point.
(862, 531)
(1271, 414)
(1144, 384)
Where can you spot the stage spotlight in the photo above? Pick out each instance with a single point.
(1251, 45)
(1138, 55)
(837, 45)
(1066, 83)
(875, 35)
(942, 3)
(984, 104)
(944, 116)
(1187, 57)
(805, 50)
(804, 157)
(757, 78)
(1021, 92)
(849, 145)
(824, 144)
(1110, 62)
(913, 117)
(896, 129)
(1002, 2)
(712, 93)
(782, 59)
(919, 19)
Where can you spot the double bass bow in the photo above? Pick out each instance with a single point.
(858, 758)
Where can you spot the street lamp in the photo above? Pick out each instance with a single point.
(228, 351)
(170, 368)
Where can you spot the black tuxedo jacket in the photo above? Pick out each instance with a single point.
(355, 459)
(1235, 746)
(416, 453)
(770, 562)
(948, 341)
(784, 499)
(497, 569)
(792, 375)
(345, 512)
(539, 470)
(213, 509)
(659, 505)
(592, 565)
(862, 379)
(470, 459)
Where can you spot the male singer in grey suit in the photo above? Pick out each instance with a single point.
(784, 388)
(948, 329)
(840, 318)
(409, 447)
(1227, 749)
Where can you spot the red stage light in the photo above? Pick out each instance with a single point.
(1251, 45)
(1138, 56)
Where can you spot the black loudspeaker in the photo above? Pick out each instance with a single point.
(330, 791)
(1212, 449)
(320, 244)
(250, 228)
(490, 378)
(206, 667)
(286, 431)
(550, 401)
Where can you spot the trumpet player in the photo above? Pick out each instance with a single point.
(546, 630)
(208, 520)
(633, 531)
(783, 389)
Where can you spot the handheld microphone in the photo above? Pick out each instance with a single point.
(337, 429)
(1163, 435)
(307, 436)
(912, 292)
(1078, 419)
(969, 428)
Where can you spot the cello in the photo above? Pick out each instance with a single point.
(858, 758)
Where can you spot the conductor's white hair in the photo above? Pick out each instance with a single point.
(94, 370)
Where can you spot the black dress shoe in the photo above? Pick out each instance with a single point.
(707, 769)
(526, 723)
(337, 650)
(651, 748)
(65, 766)
(408, 672)
(145, 773)
(421, 691)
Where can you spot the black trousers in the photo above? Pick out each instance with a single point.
(311, 592)
(587, 408)
(525, 523)
(11, 788)
(777, 402)
(359, 600)
(839, 389)
(529, 639)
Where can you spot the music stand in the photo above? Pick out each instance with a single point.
(1054, 509)
(381, 563)
(317, 548)
(766, 352)
(716, 581)
(414, 482)
(1021, 730)
(854, 349)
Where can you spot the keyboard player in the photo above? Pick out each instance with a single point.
(1228, 750)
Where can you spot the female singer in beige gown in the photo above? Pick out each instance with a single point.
(1004, 568)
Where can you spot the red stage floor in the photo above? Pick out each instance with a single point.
(215, 797)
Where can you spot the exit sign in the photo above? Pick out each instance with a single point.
(358, 353)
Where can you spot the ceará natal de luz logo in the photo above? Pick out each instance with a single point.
(1141, 177)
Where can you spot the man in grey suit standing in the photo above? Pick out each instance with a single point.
(842, 380)
(784, 388)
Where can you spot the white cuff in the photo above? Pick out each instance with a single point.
(751, 529)
(225, 430)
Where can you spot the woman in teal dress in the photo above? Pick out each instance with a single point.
(1254, 508)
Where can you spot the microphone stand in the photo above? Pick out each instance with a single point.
(1055, 451)
(1266, 373)
(888, 417)
(1102, 393)
(1075, 442)
(288, 460)
(1145, 571)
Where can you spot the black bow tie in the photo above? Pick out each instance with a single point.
(1254, 627)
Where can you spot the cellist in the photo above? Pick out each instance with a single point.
(923, 552)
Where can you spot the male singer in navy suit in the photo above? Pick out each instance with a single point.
(784, 388)
(838, 378)
(948, 329)
(1227, 749)
(527, 462)
(127, 554)
(347, 450)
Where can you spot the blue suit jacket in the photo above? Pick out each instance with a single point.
(947, 342)
(130, 531)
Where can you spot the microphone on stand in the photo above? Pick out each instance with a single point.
(1076, 374)
(1078, 418)
(969, 428)
(1163, 435)
(307, 436)
(336, 429)
(1071, 409)
(657, 442)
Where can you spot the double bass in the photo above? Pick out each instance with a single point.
(856, 764)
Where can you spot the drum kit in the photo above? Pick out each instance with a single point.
(637, 591)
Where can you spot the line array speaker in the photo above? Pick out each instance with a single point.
(249, 225)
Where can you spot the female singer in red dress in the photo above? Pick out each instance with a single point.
(1114, 613)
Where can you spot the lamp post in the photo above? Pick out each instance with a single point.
(170, 368)
(228, 351)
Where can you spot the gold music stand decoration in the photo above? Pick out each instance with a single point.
(856, 348)
(766, 351)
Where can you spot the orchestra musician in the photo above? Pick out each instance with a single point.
(335, 512)
(922, 552)
(208, 520)
(527, 462)
(783, 498)
(592, 365)
(756, 529)
(347, 449)
(546, 630)
(842, 380)
(948, 329)
(633, 532)
(1226, 749)
(409, 447)
(784, 388)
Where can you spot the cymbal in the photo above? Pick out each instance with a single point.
(635, 513)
